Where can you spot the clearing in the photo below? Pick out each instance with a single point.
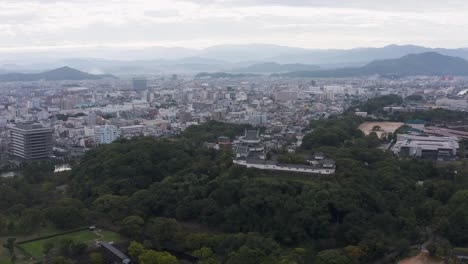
(385, 127)
(422, 258)
(35, 248)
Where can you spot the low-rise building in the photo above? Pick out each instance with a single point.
(321, 168)
(426, 147)
(105, 134)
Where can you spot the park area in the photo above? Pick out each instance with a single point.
(35, 248)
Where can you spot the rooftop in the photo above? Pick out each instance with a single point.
(252, 135)
(119, 254)
(29, 126)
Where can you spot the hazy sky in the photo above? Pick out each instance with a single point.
(45, 24)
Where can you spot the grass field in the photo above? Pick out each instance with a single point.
(35, 248)
(4, 255)
(110, 236)
(461, 250)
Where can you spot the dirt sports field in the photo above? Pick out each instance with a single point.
(422, 258)
(387, 127)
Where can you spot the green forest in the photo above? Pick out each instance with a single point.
(179, 202)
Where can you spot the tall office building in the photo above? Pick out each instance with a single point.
(140, 84)
(31, 141)
(105, 134)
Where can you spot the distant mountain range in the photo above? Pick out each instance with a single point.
(139, 67)
(272, 67)
(217, 75)
(255, 58)
(427, 64)
(60, 74)
(362, 56)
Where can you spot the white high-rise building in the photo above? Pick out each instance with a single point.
(105, 134)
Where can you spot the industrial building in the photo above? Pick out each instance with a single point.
(426, 147)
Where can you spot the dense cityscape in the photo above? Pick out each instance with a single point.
(233, 132)
(88, 113)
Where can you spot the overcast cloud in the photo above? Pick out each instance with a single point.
(46, 24)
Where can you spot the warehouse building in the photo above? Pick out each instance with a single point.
(426, 147)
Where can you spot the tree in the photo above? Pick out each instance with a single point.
(205, 256)
(47, 247)
(244, 255)
(96, 258)
(458, 226)
(30, 219)
(321, 137)
(78, 249)
(165, 232)
(376, 105)
(132, 226)
(292, 159)
(135, 250)
(113, 206)
(196, 241)
(353, 252)
(62, 260)
(155, 257)
(432, 248)
(331, 256)
(373, 243)
(459, 199)
(10, 245)
(65, 217)
(38, 172)
(64, 246)
(414, 97)
(70, 248)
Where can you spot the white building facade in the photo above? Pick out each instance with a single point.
(105, 134)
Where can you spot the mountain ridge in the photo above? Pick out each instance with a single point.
(58, 74)
(428, 64)
(213, 59)
(273, 67)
